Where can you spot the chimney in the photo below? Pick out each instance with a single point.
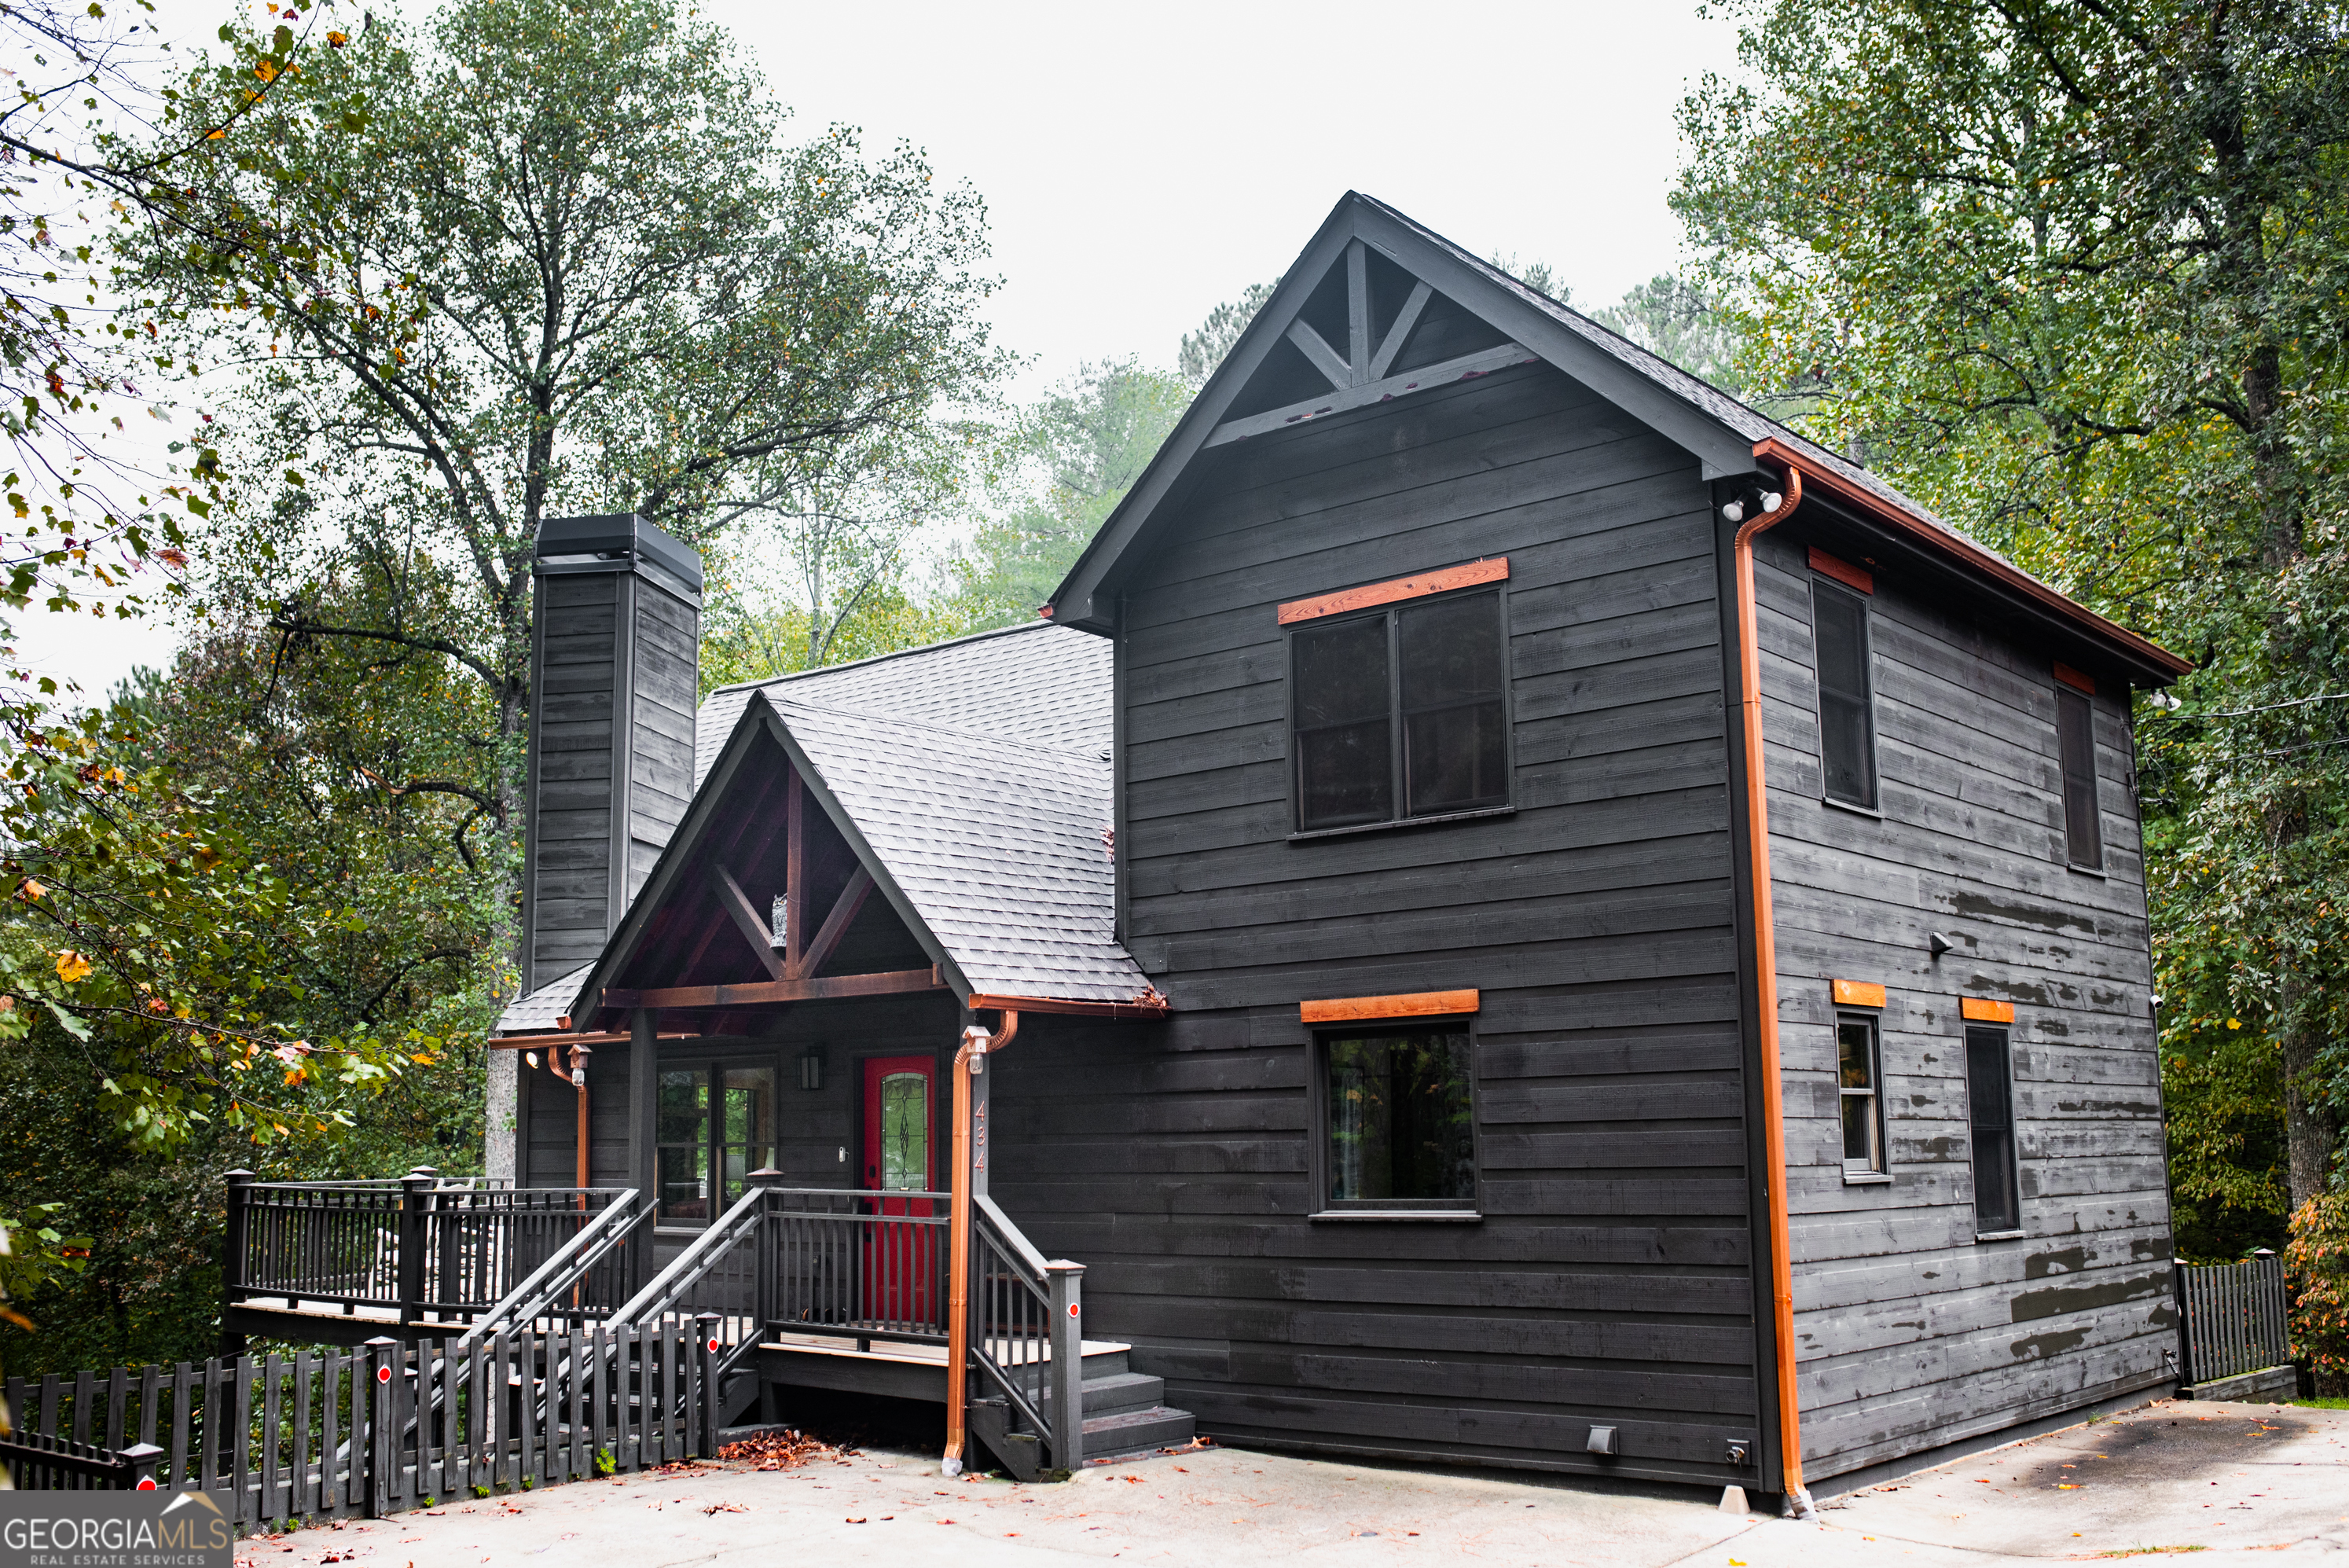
(614, 657)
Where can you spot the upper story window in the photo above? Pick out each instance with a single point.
(1401, 713)
(2075, 739)
(1847, 695)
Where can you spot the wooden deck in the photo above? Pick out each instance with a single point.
(893, 1369)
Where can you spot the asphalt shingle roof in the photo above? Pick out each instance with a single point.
(979, 771)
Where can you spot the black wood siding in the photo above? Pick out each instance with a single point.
(1910, 1333)
(1609, 1280)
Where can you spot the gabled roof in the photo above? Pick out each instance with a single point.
(1724, 435)
(972, 777)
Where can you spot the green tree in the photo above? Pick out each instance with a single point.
(559, 259)
(2075, 276)
(1201, 351)
(1072, 458)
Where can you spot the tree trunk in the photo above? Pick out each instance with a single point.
(2310, 1130)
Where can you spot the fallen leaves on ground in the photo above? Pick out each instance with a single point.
(785, 1450)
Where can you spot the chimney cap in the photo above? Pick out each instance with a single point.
(622, 537)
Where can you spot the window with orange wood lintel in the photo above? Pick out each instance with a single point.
(1419, 1004)
(1857, 994)
(1982, 1010)
(1842, 571)
(2079, 680)
(1418, 586)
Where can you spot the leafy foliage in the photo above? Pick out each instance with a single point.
(2316, 1266)
(2076, 276)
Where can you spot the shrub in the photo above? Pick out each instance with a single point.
(2316, 1271)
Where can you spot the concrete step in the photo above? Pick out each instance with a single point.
(1138, 1431)
(1122, 1392)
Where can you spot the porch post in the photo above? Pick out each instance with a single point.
(643, 1101)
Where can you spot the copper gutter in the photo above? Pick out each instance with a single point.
(978, 1045)
(1766, 986)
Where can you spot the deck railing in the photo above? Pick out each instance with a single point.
(2233, 1317)
(866, 1265)
(418, 1249)
(379, 1429)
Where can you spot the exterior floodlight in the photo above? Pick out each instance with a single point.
(1772, 501)
(1734, 511)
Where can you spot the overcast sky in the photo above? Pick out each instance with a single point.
(1143, 163)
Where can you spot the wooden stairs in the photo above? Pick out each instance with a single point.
(1127, 1413)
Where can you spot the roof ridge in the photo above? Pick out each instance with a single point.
(1093, 757)
(766, 680)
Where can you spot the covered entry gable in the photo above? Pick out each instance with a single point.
(952, 806)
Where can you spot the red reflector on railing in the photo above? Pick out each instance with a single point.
(383, 1375)
(1072, 1309)
(146, 1484)
(713, 1347)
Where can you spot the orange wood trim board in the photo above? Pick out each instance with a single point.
(2078, 680)
(1420, 1004)
(1386, 593)
(1982, 1010)
(1844, 572)
(1857, 994)
(983, 1002)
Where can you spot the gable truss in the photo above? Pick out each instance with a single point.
(1359, 376)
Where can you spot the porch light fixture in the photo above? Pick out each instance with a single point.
(1767, 501)
(812, 1068)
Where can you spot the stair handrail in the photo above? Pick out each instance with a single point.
(660, 1294)
(564, 1268)
(1052, 1289)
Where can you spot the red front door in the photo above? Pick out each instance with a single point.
(901, 1262)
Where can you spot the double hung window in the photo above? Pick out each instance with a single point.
(1402, 713)
(715, 1125)
(2075, 738)
(1399, 1121)
(1858, 1069)
(1847, 695)
(1989, 1106)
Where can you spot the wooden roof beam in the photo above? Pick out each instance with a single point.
(836, 925)
(745, 916)
(1340, 398)
(756, 993)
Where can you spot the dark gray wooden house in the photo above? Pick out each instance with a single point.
(1553, 921)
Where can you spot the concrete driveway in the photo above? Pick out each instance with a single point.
(2235, 1481)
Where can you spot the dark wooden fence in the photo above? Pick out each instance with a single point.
(381, 1429)
(2233, 1317)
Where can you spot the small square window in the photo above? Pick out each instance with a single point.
(1399, 1121)
(1859, 1073)
(1400, 714)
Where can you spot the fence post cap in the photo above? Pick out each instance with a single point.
(237, 1176)
(2263, 1253)
(766, 1176)
(1063, 1266)
(139, 1452)
(709, 1317)
(380, 1340)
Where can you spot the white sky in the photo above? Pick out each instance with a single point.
(1143, 163)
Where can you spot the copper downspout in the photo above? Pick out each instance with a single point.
(978, 1045)
(1765, 976)
(577, 1078)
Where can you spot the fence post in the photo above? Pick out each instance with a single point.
(383, 1364)
(704, 1352)
(415, 1197)
(1068, 1413)
(142, 1458)
(232, 1258)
